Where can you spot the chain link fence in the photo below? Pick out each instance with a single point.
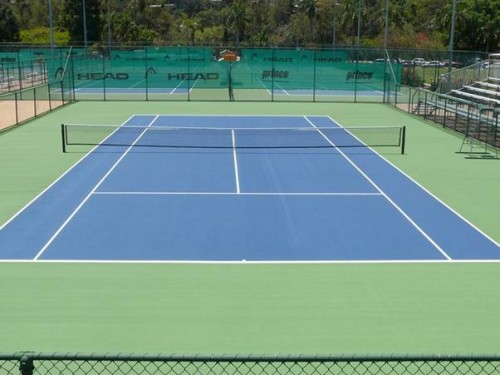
(27, 90)
(185, 73)
(92, 364)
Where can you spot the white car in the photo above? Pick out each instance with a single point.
(430, 64)
(418, 61)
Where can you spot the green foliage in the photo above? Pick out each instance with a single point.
(126, 30)
(479, 26)
(410, 77)
(41, 35)
(423, 24)
(209, 35)
(9, 27)
(73, 17)
(238, 18)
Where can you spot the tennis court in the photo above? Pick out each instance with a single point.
(91, 242)
(238, 189)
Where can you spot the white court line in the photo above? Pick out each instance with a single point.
(176, 87)
(236, 176)
(191, 88)
(271, 90)
(265, 87)
(340, 194)
(75, 211)
(90, 84)
(53, 183)
(430, 193)
(136, 84)
(229, 116)
(282, 89)
(253, 262)
(401, 211)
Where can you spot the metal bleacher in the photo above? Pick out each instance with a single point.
(467, 101)
(476, 92)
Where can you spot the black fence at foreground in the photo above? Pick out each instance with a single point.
(29, 363)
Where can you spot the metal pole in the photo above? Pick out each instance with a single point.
(386, 32)
(109, 29)
(51, 28)
(84, 26)
(452, 34)
(359, 22)
(334, 22)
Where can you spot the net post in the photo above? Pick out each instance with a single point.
(63, 138)
(403, 139)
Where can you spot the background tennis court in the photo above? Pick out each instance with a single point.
(301, 308)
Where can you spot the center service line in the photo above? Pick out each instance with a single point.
(236, 176)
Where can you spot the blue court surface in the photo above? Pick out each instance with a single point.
(213, 196)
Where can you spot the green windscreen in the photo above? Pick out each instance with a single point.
(198, 73)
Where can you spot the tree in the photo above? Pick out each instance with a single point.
(41, 35)
(351, 19)
(72, 20)
(238, 18)
(259, 28)
(477, 28)
(413, 23)
(191, 25)
(308, 8)
(9, 28)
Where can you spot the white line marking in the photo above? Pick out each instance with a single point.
(192, 86)
(75, 211)
(90, 84)
(271, 91)
(136, 84)
(233, 115)
(431, 194)
(281, 88)
(401, 211)
(265, 87)
(52, 184)
(176, 87)
(254, 262)
(229, 193)
(235, 158)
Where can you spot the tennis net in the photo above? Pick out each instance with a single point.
(232, 138)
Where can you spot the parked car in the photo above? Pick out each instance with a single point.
(418, 61)
(430, 64)
(393, 61)
(454, 64)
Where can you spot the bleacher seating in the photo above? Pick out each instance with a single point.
(485, 92)
(490, 86)
(488, 93)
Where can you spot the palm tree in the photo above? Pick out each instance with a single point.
(237, 15)
(353, 12)
(309, 8)
(192, 25)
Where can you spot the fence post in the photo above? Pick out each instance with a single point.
(26, 365)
